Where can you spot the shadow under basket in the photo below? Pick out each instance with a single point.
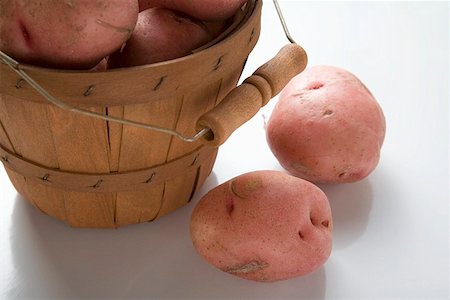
(94, 173)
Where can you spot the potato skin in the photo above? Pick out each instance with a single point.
(205, 10)
(160, 35)
(68, 34)
(327, 127)
(263, 226)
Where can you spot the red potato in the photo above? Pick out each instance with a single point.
(146, 4)
(206, 10)
(327, 127)
(160, 35)
(263, 226)
(73, 34)
(216, 28)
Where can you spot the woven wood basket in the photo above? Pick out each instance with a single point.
(94, 173)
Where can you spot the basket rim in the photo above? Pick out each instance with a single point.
(140, 84)
(185, 58)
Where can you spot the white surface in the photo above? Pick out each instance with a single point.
(391, 230)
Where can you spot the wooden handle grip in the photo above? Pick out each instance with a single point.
(243, 102)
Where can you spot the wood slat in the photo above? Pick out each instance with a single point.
(179, 190)
(115, 137)
(30, 134)
(82, 146)
(195, 104)
(17, 180)
(177, 193)
(142, 148)
(138, 207)
(205, 170)
(29, 130)
(4, 138)
(49, 200)
(81, 142)
(20, 184)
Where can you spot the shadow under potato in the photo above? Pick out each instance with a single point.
(153, 260)
(351, 204)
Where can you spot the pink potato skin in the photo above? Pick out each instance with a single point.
(160, 35)
(263, 226)
(205, 10)
(214, 28)
(327, 127)
(68, 34)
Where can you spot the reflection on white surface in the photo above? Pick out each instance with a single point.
(390, 230)
(52, 260)
(350, 206)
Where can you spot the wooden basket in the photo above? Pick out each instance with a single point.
(95, 173)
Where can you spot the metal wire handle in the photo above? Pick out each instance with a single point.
(283, 21)
(15, 65)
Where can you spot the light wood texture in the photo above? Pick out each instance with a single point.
(4, 138)
(177, 192)
(171, 94)
(115, 137)
(30, 134)
(243, 103)
(17, 180)
(111, 182)
(142, 148)
(81, 144)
